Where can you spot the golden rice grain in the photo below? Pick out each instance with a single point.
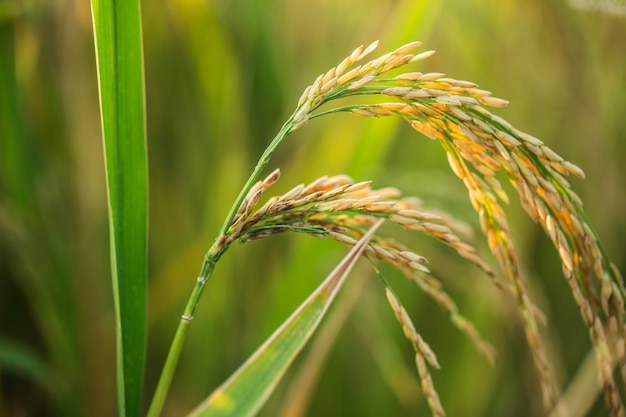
(360, 83)
(368, 50)
(493, 101)
(350, 75)
(431, 76)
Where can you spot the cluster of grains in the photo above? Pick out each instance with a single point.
(337, 207)
(480, 144)
(339, 82)
(424, 356)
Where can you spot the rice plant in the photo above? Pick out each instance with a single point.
(479, 145)
(81, 322)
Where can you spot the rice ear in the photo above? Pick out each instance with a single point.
(479, 145)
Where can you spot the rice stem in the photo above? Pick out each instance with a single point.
(215, 252)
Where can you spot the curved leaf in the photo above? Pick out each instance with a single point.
(245, 392)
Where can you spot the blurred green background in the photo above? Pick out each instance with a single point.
(221, 77)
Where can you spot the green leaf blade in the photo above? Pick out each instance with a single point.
(245, 392)
(119, 54)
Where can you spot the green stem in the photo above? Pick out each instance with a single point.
(263, 161)
(212, 256)
(173, 355)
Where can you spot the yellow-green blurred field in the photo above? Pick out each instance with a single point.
(221, 77)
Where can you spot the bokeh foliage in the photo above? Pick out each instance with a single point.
(221, 76)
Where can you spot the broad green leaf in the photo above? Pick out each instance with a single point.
(119, 53)
(245, 392)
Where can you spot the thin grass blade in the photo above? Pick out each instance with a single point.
(119, 55)
(248, 388)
